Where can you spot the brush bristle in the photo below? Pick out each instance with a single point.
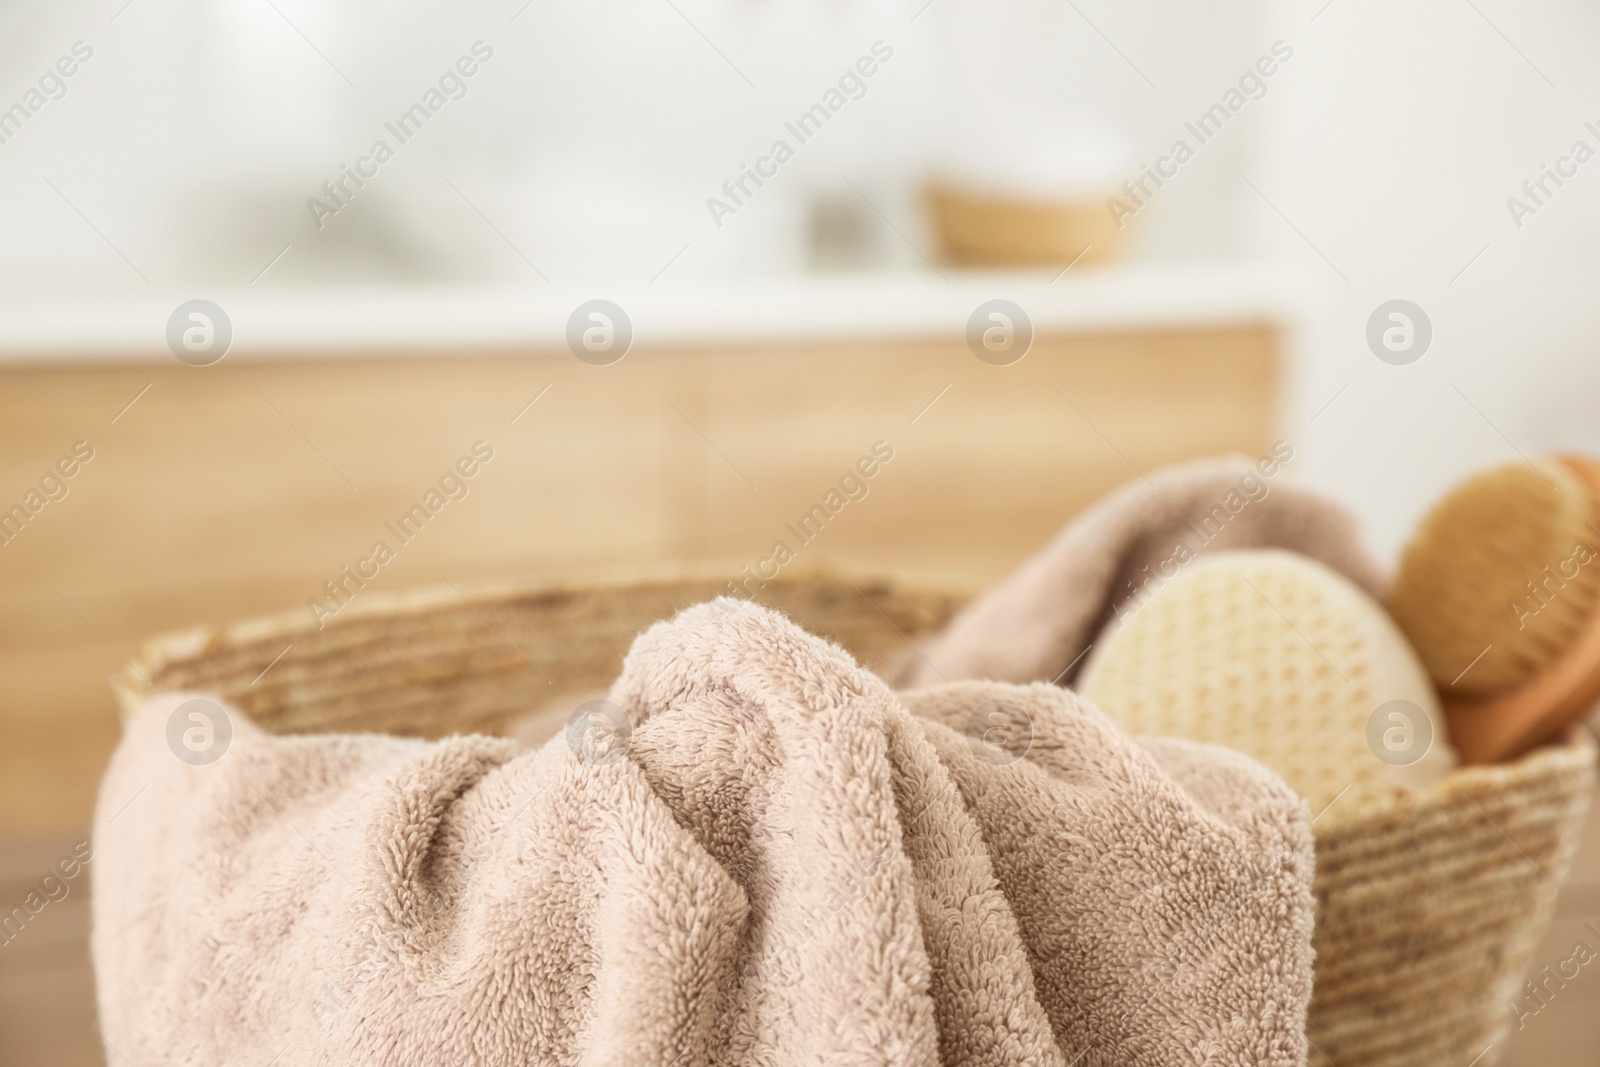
(1506, 562)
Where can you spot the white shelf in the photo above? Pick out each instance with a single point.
(399, 321)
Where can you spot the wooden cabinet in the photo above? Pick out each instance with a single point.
(243, 488)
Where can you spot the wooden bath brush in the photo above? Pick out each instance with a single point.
(1499, 590)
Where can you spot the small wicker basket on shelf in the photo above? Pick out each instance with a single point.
(1429, 905)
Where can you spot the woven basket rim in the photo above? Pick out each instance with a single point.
(131, 683)
(1570, 751)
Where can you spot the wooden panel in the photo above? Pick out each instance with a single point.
(47, 1005)
(241, 488)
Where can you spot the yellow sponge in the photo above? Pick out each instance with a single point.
(1281, 658)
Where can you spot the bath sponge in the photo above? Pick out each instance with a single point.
(1281, 658)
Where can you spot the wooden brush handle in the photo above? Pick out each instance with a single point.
(1505, 726)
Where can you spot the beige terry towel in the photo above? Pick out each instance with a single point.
(782, 863)
(1037, 623)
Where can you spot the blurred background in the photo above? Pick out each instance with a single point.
(397, 212)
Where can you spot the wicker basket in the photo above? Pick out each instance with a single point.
(1428, 906)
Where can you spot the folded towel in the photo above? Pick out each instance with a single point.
(1038, 622)
(769, 859)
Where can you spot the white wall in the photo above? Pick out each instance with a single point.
(185, 151)
(589, 145)
(1404, 131)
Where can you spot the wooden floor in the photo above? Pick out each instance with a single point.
(1567, 1029)
(46, 987)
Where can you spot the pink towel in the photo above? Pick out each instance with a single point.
(775, 861)
(1037, 623)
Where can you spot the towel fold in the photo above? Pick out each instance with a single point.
(770, 859)
(1037, 623)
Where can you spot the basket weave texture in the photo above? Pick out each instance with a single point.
(1429, 905)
